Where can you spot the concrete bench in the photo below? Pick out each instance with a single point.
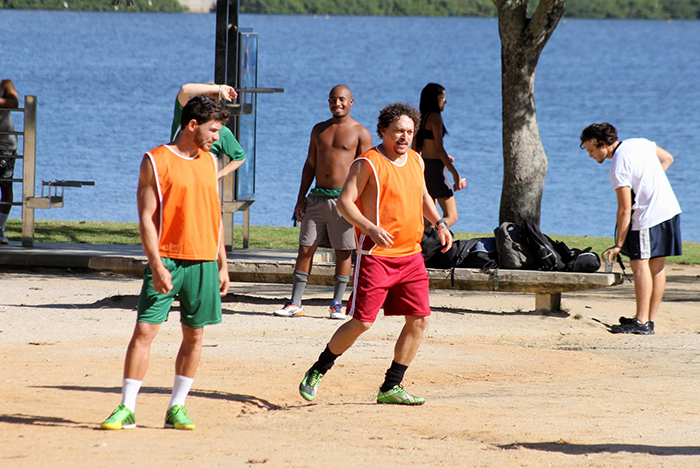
(546, 285)
(262, 266)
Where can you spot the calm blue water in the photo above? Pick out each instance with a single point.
(106, 84)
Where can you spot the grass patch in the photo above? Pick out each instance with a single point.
(261, 237)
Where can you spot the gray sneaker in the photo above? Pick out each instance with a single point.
(289, 310)
(336, 311)
(3, 238)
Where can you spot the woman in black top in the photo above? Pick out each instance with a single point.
(438, 164)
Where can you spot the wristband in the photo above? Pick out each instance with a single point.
(440, 221)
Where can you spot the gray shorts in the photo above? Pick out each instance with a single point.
(323, 225)
(7, 167)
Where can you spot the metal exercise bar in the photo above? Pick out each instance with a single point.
(29, 172)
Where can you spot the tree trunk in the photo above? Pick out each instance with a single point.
(524, 159)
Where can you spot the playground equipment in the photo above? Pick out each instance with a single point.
(51, 191)
(236, 64)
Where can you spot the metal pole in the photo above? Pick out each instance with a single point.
(226, 54)
(29, 172)
(225, 71)
(246, 227)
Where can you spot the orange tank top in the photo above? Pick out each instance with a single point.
(399, 204)
(190, 212)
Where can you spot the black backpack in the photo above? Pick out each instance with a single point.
(577, 260)
(483, 255)
(434, 258)
(513, 249)
(548, 258)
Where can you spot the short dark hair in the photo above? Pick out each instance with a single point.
(600, 133)
(203, 109)
(393, 112)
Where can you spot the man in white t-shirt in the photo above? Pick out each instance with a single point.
(648, 216)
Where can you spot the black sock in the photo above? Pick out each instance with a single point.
(394, 376)
(325, 361)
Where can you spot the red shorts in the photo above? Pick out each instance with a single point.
(400, 285)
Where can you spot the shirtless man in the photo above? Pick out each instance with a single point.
(334, 145)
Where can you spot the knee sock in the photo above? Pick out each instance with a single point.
(3, 220)
(300, 279)
(325, 361)
(130, 389)
(394, 376)
(181, 388)
(339, 284)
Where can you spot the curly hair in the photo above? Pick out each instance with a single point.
(600, 133)
(203, 109)
(395, 111)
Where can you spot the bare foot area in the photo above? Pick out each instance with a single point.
(505, 387)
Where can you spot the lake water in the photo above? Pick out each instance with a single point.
(106, 84)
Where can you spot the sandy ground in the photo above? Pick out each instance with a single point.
(505, 387)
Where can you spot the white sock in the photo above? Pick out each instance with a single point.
(181, 388)
(3, 220)
(130, 389)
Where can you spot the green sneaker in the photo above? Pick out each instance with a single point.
(308, 386)
(121, 418)
(398, 396)
(177, 418)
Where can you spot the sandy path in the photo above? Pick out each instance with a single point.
(504, 387)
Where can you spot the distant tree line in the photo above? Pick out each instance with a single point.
(650, 9)
(93, 5)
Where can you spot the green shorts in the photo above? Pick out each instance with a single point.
(196, 283)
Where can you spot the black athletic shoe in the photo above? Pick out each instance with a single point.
(627, 321)
(634, 327)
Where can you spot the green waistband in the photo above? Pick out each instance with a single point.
(326, 192)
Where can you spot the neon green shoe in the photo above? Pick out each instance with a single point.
(177, 418)
(308, 386)
(121, 418)
(398, 396)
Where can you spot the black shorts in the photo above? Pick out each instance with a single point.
(662, 240)
(436, 180)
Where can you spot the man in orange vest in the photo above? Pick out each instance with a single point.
(385, 198)
(180, 227)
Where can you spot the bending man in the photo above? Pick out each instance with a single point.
(648, 216)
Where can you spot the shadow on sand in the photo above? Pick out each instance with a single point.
(583, 449)
(249, 399)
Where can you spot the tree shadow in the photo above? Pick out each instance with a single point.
(583, 449)
(215, 395)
